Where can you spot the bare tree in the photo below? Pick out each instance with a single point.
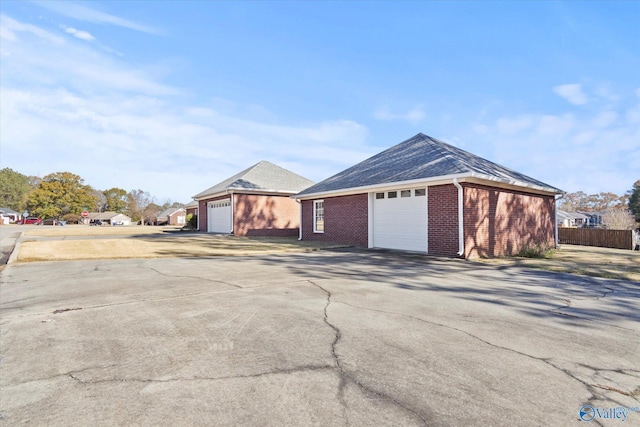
(138, 202)
(619, 219)
(101, 200)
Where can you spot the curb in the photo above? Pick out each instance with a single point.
(16, 248)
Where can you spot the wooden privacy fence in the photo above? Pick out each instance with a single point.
(620, 239)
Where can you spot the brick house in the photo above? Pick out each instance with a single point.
(172, 216)
(427, 196)
(254, 202)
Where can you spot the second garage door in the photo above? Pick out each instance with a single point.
(400, 219)
(219, 216)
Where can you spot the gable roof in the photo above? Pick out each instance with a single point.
(8, 211)
(167, 212)
(423, 158)
(264, 177)
(570, 215)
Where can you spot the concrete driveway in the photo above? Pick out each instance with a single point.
(340, 337)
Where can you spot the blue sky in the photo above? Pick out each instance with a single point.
(173, 97)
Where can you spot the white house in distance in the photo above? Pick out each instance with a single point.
(112, 218)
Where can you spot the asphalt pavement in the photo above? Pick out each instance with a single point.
(336, 337)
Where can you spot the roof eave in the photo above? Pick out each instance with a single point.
(225, 192)
(445, 179)
(383, 186)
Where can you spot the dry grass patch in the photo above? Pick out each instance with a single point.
(85, 230)
(159, 246)
(584, 260)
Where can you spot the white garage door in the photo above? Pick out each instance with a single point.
(219, 216)
(400, 219)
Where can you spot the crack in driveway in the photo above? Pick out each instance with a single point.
(590, 387)
(346, 377)
(307, 368)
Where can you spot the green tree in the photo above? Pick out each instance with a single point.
(59, 194)
(634, 200)
(117, 200)
(14, 189)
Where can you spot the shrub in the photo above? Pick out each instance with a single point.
(192, 222)
(536, 251)
(72, 218)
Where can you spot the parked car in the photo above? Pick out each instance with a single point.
(95, 222)
(31, 220)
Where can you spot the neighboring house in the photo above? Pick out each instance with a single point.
(172, 216)
(427, 196)
(9, 215)
(593, 219)
(109, 217)
(571, 219)
(254, 202)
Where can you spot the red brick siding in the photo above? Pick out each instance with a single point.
(346, 220)
(260, 215)
(499, 222)
(173, 218)
(442, 222)
(202, 207)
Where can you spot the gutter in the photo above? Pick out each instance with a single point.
(460, 217)
(300, 226)
(230, 193)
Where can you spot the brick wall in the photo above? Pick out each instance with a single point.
(346, 220)
(442, 227)
(260, 215)
(500, 222)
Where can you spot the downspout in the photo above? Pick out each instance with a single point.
(300, 226)
(460, 217)
(232, 210)
(555, 217)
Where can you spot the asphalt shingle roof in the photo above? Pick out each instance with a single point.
(167, 212)
(263, 176)
(421, 157)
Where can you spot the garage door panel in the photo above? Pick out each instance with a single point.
(219, 216)
(400, 222)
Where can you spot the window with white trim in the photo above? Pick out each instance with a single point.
(318, 216)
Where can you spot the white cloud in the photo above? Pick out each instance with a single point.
(587, 150)
(9, 27)
(83, 35)
(555, 125)
(48, 60)
(605, 119)
(510, 126)
(85, 13)
(117, 141)
(414, 115)
(572, 93)
(120, 126)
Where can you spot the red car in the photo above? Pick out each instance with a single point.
(31, 220)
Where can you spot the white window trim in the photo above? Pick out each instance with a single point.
(315, 203)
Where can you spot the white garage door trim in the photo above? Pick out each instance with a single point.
(219, 216)
(399, 219)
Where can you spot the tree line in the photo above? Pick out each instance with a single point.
(64, 195)
(619, 212)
